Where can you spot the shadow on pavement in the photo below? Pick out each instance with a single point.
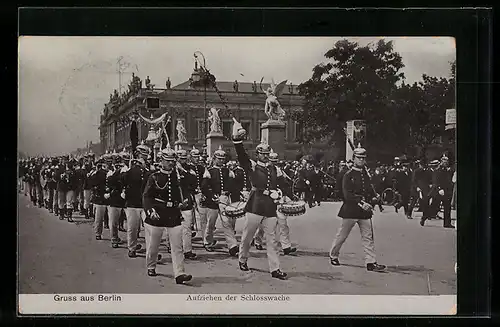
(407, 270)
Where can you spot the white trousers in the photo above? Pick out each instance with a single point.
(282, 232)
(100, 211)
(187, 217)
(153, 239)
(114, 216)
(133, 225)
(208, 220)
(252, 222)
(365, 228)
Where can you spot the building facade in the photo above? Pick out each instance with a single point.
(191, 102)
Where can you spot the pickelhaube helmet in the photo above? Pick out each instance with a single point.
(219, 153)
(143, 149)
(167, 154)
(359, 152)
(434, 163)
(273, 156)
(194, 152)
(181, 153)
(263, 148)
(124, 155)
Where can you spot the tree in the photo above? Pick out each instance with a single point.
(426, 103)
(356, 83)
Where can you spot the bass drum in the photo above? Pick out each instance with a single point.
(390, 197)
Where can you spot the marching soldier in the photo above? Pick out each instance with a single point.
(282, 229)
(441, 192)
(188, 210)
(63, 190)
(340, 175)
(164, 197)
(420, 189)
(134, 182)
(72, 185)
(199, 169)
(357, 210)
(114, 198)
(86, 170)
(216, 186)
(97, 181)
(261, 207)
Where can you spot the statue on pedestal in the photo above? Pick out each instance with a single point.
(235, 86)
(181, 132)
(272, 107)
(215, 122)
(148, 83)
(168, 83)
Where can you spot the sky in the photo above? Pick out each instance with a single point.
(64, 82)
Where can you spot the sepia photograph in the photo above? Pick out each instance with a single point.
(237, 175)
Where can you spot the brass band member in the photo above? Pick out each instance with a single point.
(357, 192)
(164, 197)
(262, 203)
(97, 182)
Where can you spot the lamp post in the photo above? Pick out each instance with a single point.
(204, 80)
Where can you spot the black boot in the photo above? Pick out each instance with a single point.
(56, 210)
(62, 214)
(69, 213)
(278, 274)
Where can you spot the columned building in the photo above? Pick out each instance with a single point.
(191, 101)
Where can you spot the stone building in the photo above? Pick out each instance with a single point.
(191, 101)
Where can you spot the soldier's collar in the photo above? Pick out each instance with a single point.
(166, 172)
(262, 164)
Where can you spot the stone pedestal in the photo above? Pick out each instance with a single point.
(273, 132)
(214, 140)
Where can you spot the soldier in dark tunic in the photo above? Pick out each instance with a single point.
(199, 210)
(164, 197)
(134, 182)
(441, 193)
(340, 176)
(217, 186)
(97, 182)
(357, 209)
(261, 207)
(420, 189)
(116, 203)
(188, 210)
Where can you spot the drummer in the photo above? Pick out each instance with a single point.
(216, 188)
(282, 230)
(262, 202)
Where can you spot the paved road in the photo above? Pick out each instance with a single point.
(60, 257)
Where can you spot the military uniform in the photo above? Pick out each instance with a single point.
(216, 187)
(188, 211)
(441, 193)
(421, 180)
(357, 193)
(163, 198)
(97, 182)
(116, 203)
(133, 183)
(261, 207)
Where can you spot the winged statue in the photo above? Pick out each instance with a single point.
(272, 107)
